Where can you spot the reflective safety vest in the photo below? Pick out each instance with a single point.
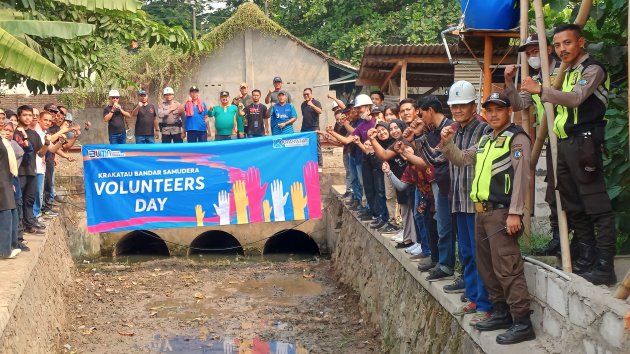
(540, 108)
(588, 115)
(493, 168)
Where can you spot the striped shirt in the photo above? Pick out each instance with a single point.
(462, 177)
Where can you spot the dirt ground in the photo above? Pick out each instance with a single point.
(180, 306)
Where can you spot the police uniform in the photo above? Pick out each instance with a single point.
(522, 100)
(579, 126)
(499, 189)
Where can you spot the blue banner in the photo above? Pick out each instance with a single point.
(151, 186)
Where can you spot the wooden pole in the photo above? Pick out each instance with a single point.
(585, 8)
(526, 123)
(553, 142)
(487, 61)
(403, 80)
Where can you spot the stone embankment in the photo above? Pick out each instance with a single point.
(415, 316)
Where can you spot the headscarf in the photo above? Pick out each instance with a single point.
(386, 143)
(400, 125)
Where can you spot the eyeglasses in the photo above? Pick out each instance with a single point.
(114, 98)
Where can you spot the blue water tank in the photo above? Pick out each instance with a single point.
(491, 14)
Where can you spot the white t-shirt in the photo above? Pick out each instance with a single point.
(39, 162)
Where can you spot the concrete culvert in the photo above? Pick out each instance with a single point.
(215, 242)
(291, 242)
(141, 242)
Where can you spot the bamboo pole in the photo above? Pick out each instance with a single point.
(585, 8)
(487, 61)
(526, 123)
(553, 141)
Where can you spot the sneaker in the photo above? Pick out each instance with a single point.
(425, 267)
(14, 253)
(365, 217)
(404, 244)
(34, 231)
(389, 229)
(455, 287)
(438, 274)
(23, 247)
(412, 248)
(479, 316)
(398, 237)
(378, 223)
(470, 307)
(50, 213)
(418, 257)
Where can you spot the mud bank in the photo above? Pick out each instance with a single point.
(32, 307)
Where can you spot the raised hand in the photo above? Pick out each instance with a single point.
(240, 201)
(223, 209)
(447, 134)
(279, 199)
(385, 168)
(371, 133)
(255, 194)
(199, 214)
(267, 210)
(530, 85)
(298, 199)
(311, 181)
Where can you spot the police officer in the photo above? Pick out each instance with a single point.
(523, 100)
(501, 159)
(579, 125)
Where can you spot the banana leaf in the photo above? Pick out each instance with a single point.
(58, 29)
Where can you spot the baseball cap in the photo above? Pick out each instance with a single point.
(277, 79)
(531, 40)
(142, 92)
(51, 107)
(9, 113)
(224, 93)
(283, 92)
(243, 84)
(168, 91)
(6, 122)
(497, 98)
(69, 117)
(193, 88)
(376, 110)
(114, 93)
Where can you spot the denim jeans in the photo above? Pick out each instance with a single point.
(475, 291)
(145, 139)
(446, 240)
(356, 177)
(8, 231)
(120, 138)
(422, 224)
(374, 187)
(346, 165)
(39, 196)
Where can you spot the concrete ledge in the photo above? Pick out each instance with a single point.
(32, 311)
(568, 316)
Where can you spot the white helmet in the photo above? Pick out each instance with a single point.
(362, 100)
(334, 104)
(168, 91)
(114, 93)
(461, 92)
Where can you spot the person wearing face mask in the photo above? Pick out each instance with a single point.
(522, 100)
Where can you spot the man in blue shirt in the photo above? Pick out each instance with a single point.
(196, 118)
(283, 115)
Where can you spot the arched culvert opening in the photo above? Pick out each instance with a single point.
(291, 242)
(215, 242)
(141, 242)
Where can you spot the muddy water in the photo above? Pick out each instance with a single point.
(226, 306)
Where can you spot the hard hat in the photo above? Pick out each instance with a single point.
(461, 92)
(114, 93)
(362, 100)
(334, 104)
(168, 91)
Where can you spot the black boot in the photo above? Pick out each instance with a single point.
(553, 247)
(521, 330)
(604, 271)
(500, 319)
(587, 259)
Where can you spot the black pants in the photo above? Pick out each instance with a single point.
(196, 136)
(172, 138)
(583, 192)
(49, 186)
(550, 192)
(29, 188)
(374, 187)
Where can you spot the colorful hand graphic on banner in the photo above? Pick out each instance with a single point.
(311, 182)
(298, 199)
(223, 209)
(255, 194)
(240, 201)
(267, 210)
(199, 214)
(279, 199)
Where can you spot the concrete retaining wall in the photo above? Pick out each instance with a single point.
(415, 316)
(32, 311)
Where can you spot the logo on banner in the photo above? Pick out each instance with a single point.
(279, 143)
(105, 153)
